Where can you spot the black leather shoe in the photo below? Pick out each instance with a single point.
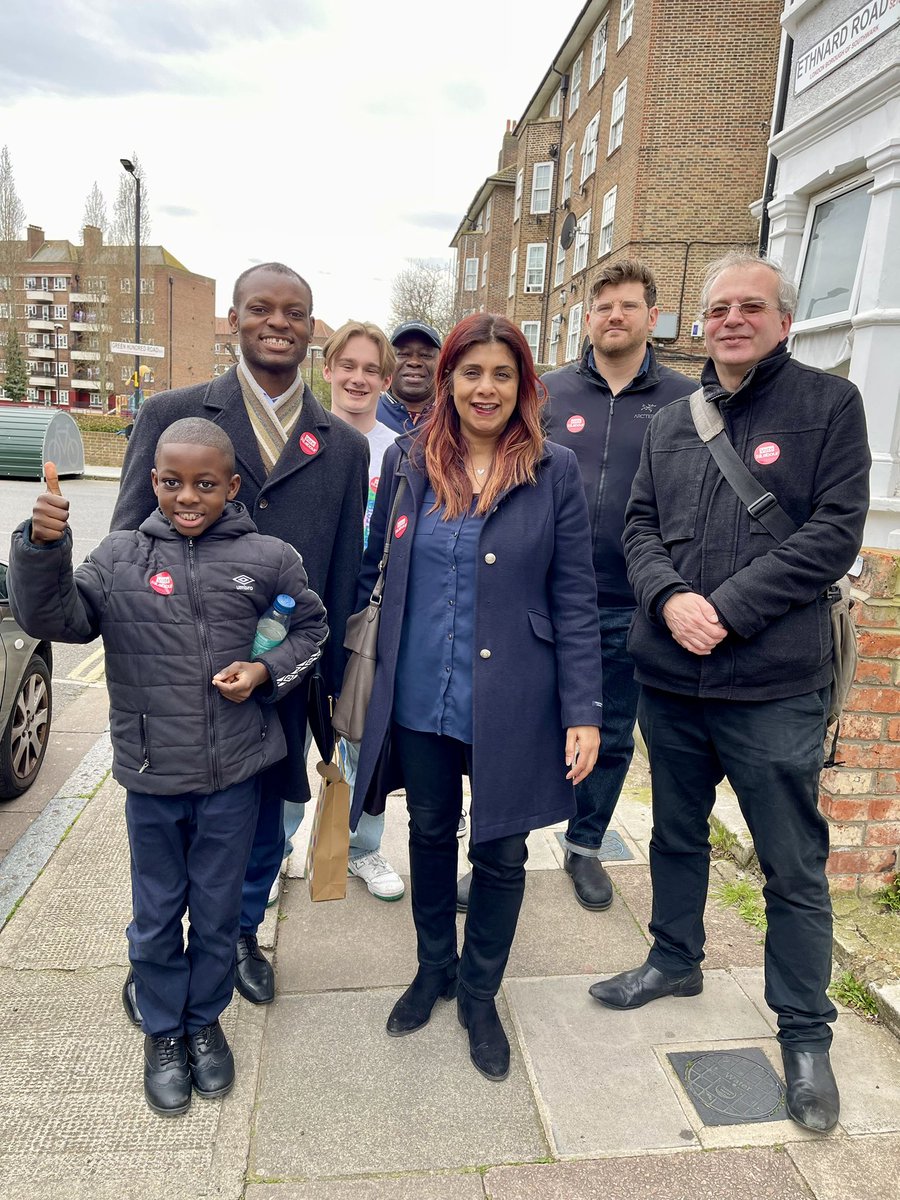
(167, 1077)
(413, 1009)
(593, 887)
(211, 1061)
(462, 892)
(633, 989)
(254, 976)
(488, 1043)
(129, 1000)
(812, 1093)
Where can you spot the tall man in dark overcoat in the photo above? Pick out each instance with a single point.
(733, 649)
(304, 478)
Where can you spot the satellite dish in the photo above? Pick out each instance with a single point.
(567, 235)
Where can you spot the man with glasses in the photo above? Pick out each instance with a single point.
(600, 408)
(411, 393)
(732, 644)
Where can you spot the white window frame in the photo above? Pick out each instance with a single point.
(568, 172)
(589, 147)
(513, 271)
(62, 397)
(31, 339)
(31, 394)
(60, 312)
(575, 85)
(517, 201)
(575, 332)
(125, 286)
(559, 268)
(535, 261)
(532, 328)
(617, 116)
(484, 268)
(626, 22)
(553, 348)
(845, 315)
(63, 370)
(148, 287)
(470, 274)
(62, 341)
(538, 170)
(555, 108)
(607, 220)
(60, 283)
(582, 242)
(31, 311)
(598, 51)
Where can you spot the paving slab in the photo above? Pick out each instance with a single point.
(339, 1097)
(854, 1168)
(723, 1175)
(601, 1086)
(866, 1061)
(457, 1186)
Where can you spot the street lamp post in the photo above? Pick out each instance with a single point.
(129, 167)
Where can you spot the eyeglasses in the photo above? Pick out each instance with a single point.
(749, 308)
(629, 307)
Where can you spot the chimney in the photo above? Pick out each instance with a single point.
(93, 240)
(509, 151)
(35, 238)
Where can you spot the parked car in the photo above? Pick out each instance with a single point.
(26, 701)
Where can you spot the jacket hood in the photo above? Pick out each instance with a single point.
(234, 521)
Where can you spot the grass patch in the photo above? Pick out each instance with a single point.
(847, 989)
(723, 840)
(747, 899)
(889, 897)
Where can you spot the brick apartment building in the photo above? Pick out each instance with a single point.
(649, 129)
(68, 302)
(227, 350)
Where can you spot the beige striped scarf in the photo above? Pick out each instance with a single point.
(272, 421)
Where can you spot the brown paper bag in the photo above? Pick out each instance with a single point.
(326, 859)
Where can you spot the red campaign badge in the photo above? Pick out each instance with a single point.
(163, 583)
(401, 527)
(309, 443)
(373, 483)
(575, 424)
(767, 453)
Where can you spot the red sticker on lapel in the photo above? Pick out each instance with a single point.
(766, 453)
(575, 424)
(309, 443)
(163, 583)
(401, 526)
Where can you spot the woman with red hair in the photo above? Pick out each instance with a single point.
(488, 661)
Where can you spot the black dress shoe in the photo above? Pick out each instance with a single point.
(812, 1093)
(167, 1077)
(211, 1061)
(632, 989)
(593, 887)
(488, 1043)
(413, 1009)
(129, 1000)
(254, 976)
(462, 892)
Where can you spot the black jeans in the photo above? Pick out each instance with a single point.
(772, 753)
(432, 769)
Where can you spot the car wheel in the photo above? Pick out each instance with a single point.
(27, 731)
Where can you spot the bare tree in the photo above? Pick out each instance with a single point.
(12, 211)
(96, 213)
(12, 218)
(122, 230)
(423, 291)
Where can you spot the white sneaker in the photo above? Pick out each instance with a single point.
(380, 877)
(275, 889)
(461, 827)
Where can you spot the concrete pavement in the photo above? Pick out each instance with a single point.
(327, 1107)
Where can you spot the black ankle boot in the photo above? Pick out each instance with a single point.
(488, 1044)
(413, 1009)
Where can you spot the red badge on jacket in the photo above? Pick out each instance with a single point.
(309, 443)
(401, 527)
(163, 583)
(767, 453)
(575, 424)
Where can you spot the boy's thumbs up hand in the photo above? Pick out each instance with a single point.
(50, 515)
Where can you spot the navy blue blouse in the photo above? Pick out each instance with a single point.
(433, 686)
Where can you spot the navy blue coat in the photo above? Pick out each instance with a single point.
(536, 661)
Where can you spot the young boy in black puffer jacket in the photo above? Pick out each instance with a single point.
(192, 721)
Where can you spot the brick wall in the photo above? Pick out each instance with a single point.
(103, 449)
(861, 797)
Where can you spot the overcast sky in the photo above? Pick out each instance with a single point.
(341, 137)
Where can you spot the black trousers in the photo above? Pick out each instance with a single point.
(432, 771)
(772, 753)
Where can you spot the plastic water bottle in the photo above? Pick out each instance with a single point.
(272, 627)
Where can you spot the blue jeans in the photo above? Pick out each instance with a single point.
(370, 830)
(597, 797)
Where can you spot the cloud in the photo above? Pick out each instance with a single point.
(442, 221)
(177, 210)
(468, 97)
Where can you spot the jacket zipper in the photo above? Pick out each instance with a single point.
(204, 640)
(145, 745)
(601, 485)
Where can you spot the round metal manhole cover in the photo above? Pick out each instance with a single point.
(734, 1086)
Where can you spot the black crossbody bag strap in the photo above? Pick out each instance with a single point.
(375, 598)
(760, 504)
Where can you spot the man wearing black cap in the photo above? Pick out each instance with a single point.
(411, 392)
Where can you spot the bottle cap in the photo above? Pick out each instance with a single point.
(285, 604)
